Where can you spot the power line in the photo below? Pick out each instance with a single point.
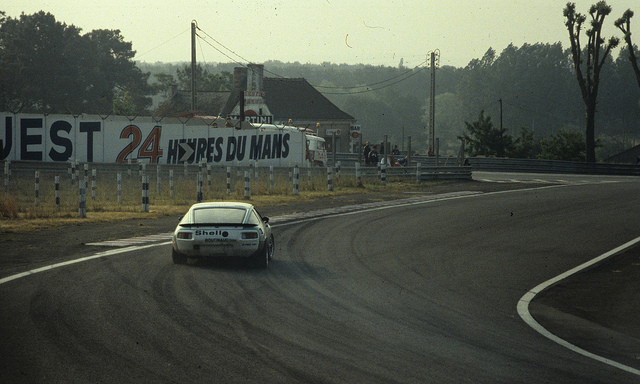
(378, 88)
(373, 84)
(163, 43)
(370, 87)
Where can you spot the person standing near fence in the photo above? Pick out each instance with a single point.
(373, 156)
(366, 152)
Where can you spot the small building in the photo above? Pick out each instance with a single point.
(630, 156)
(291, 101)
(272, 100)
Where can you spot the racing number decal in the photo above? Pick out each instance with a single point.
(150, 149)
(129, 130)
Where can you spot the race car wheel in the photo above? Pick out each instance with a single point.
(261, 259)
(178, 258)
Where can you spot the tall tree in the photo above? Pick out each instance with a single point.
(624, 24)
(49, 67)
(486, 140)
(588, 68)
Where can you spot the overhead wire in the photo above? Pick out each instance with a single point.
(163, 43)
(369, 87)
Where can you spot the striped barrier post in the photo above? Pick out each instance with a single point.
(93, 184)
(74, 170)
(86, 175)
(158, 180)
(199, 188)
(119, 182)
(296, 180)
(358, 175)
(57, 184)
(209, 176)
(37, 197)
(330, 178)
(383, 173)
(418, 176)
(6, 179)
(271, 179)
(247, 185)
(171, 183)
(145, 193)
(228, 180)
(82, 198)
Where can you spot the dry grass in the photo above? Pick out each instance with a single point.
(19, 210)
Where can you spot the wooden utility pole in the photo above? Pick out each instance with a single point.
(193, 65)
(435, 55)
(500, 114)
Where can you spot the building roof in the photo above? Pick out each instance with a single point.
(298, 100)
(630, 156)
(294, 99)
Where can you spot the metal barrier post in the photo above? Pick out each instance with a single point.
(37, 197)
(171, 183)
(145, 193)
(199, 195)
(119, 181)
(271, 180)
(57, 183)
(296, 180)
(247, 185)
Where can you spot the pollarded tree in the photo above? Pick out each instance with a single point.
(624, 24)
(588, 68)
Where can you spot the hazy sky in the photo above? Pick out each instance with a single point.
(377, 32)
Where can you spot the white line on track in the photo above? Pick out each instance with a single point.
(523, 304)
(523, 308)
(75, 261)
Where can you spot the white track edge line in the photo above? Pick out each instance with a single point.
(80, 260)
(136, 247)
(523, 303)
(523, 308)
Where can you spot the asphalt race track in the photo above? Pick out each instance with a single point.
(420, 293)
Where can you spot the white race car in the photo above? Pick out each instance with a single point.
(223, 229)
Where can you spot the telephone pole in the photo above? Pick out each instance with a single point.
(435, 58)
(193, 64)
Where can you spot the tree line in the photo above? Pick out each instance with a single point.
(528, 93)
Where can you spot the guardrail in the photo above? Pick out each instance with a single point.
(492, 164)
(421, 173)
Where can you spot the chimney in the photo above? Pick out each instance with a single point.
(255, 75)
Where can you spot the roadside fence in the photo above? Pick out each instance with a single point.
(60, 189)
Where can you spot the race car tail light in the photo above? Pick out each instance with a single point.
(185, 235)
(249, 235)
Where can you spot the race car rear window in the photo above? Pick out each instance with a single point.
(219, 215)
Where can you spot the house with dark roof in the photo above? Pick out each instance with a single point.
(269, 100)
(291, 101)
(630, 156)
